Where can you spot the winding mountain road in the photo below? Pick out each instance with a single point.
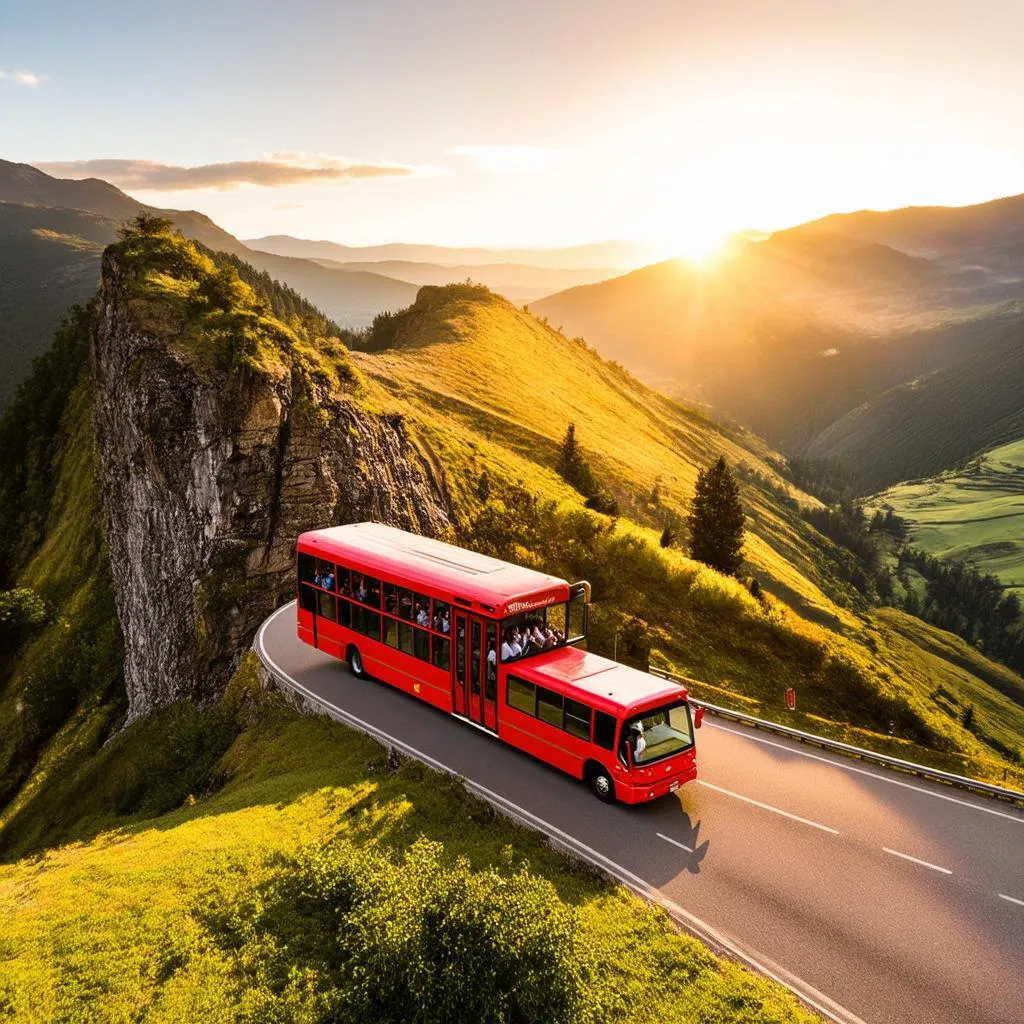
(881, 898)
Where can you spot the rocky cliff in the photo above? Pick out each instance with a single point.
(222, 434)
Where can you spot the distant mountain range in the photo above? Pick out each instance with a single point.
(800, 336)
(621, 255)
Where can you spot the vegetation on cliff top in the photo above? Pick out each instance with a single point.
(181, 291)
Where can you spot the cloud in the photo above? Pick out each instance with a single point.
(508, 159)
(278, 170)
(21, 77)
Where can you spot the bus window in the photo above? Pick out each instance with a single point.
(307, 566)
(577, 627)
(474, 659)
(460, 654)
(372, 625)
(491, 663)
(440, 652)
(327, 606)
(521, 695)
(405, 603)
(307, 598)
(421, 610)
(391, 598)
(441, 622)
(344, 613)
(604, 730)
(366, 589)
(405, 637)
(549, 706)
(421, 644)
(577, 719)
(390, 631)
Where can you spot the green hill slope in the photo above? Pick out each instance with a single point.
(973, 514)
(937, 420)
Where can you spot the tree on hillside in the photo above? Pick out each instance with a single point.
(716, 519)
(572, 465)
(146, 224)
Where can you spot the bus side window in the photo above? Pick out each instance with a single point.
(440, 645)
(307, 598)
(327, 606)
(604, 730)
(491, 664)
(549, 707)
(307, 566)
(521, 695)
(577, 719)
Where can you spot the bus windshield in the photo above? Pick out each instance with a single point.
(661, 733)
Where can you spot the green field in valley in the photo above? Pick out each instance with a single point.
(974, 513)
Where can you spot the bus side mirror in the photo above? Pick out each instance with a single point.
(698, 717)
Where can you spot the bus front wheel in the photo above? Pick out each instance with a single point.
(602, 785)
(355, 663)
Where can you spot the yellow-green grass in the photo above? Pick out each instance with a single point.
(974, 514)
(172, 918)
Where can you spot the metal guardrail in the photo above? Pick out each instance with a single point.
(960, 781)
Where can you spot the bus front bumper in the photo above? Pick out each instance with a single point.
(640, 790)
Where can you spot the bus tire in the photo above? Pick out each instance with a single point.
(355, 663)
(601, 783)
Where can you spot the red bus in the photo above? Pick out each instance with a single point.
(498, 646)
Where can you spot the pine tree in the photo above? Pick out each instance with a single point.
(572, 466)
(716, 519)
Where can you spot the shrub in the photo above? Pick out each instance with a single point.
(379, 940)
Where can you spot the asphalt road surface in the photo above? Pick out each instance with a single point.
(899, 900)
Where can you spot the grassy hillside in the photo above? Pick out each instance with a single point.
(974, 514)
(937, 420)
(301, 880)
(489, 391)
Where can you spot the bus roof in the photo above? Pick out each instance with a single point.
(583, 676)
(489, 583)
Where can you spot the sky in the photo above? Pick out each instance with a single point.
(544, 122)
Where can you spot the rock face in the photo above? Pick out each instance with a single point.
(205, 494)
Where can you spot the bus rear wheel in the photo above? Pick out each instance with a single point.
(355, 663)
(602, 785)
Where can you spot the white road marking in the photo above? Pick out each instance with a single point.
(674, 842)
(805, 992)
(768, 807)
(1010, 899)
(1019, 818)
(923, 863)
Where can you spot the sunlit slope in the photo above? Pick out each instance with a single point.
(500, 387)
(784, 335)
(974, 514)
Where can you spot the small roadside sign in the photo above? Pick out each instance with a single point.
(791, 699)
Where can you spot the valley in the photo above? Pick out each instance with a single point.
(973, 514)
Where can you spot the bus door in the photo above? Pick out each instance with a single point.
(475, 678)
